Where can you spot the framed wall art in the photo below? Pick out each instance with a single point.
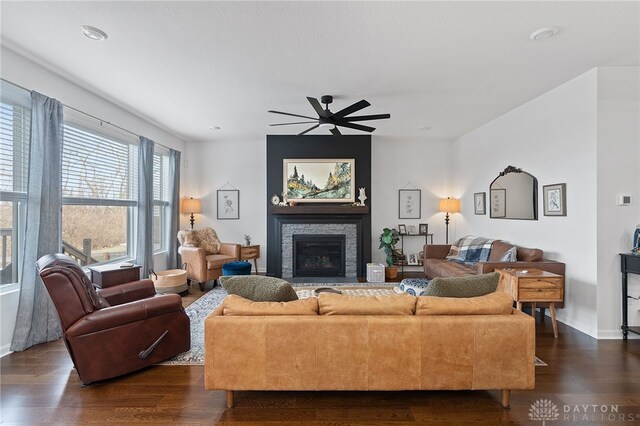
(412, 230)
(498, 203)
(480, 203)
(317, 180)
(424, 228)
(228, 204)
(402, 229)
(409, 204)
(555, 199)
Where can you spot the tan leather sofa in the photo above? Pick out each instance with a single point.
(424, 343)
(436, 264)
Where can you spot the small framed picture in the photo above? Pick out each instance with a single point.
(409, 204)
(402, 229)
(423, 228)
(412, 259)
(412, 230)
(498, 203)
(555, 199)
(228, 204)
(480, 203)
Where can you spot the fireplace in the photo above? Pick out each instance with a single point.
(319, 255)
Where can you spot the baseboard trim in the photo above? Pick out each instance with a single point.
(5, 350)
(615, 335)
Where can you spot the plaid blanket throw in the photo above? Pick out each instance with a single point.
(470, 249)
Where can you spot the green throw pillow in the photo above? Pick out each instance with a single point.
(259, 288)
(469, 286)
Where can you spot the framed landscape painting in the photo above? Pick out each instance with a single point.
(316, 180)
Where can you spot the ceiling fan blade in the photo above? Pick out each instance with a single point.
(351, 109)
(316, 105)
(336, 132)
(356, 126)
(297, 122)
(293, 115)
(308, 130)
(367, 117)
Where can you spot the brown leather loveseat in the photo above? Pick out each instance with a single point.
(117, 330)
(395, 342)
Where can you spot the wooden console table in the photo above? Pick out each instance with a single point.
(108, 275)
(250, 252)
(532, 286)
(629, 264)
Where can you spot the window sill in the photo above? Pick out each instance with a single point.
(9, 288)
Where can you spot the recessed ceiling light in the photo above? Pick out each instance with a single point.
(544, 33)
(214, 128)
(93, 33)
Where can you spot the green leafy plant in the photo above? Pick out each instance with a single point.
(388, 240)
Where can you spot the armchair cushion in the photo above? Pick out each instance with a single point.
(215, 261)
(127, 313)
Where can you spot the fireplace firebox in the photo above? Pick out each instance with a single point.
(319, 255)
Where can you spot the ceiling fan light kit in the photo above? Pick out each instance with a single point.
(331, 121)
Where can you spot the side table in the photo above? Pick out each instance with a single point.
(530, 285)
(104, 276)
(250, 252)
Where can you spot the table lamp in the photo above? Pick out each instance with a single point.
(191, 205)
(449, 205)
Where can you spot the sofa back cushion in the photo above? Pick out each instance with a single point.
(468, 286)
(529, 254)
(341, 304)
(496, 303)
(259, 288)
(235, 305)
(498, 249)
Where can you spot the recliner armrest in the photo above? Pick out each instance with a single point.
(125, 293)
(127, 313)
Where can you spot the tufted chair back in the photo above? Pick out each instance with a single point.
(70, 289)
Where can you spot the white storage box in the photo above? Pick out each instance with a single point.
(375, 273)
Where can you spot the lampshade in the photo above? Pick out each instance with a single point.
(191, 205)
(449, 205)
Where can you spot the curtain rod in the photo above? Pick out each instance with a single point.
(89, 115)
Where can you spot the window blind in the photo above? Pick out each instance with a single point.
(15, 125)
(95, 166)
(160, 177)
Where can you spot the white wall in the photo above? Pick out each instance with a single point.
(553, 137)
(618, 173)
(26, 73)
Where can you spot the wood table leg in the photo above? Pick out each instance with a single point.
(552, 309)
(255, 262)
(230, 399)
(506, 398)
(542, 313)
(533, 309)
(519, 306)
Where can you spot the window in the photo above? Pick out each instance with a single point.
(161, 211)
(15, 127)
(99, 190)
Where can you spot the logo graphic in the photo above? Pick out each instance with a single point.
(545, 410)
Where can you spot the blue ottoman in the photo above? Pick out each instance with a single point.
(414, 286)
(236, 268)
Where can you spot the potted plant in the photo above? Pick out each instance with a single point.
(388, 240)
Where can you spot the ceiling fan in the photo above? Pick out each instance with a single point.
(329, 120)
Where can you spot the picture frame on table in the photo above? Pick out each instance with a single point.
(480, 203)
(423, 229)
(498, 203)
(412, 230)
(555, 199)
(402, 229)
(228, 204)
(412, 259)
(409, 202)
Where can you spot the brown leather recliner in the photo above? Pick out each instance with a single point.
(117, 330)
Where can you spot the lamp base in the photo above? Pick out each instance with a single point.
(192, 220)
(446, 222)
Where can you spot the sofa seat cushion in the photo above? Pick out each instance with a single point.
(237, 305)
(340, 304)
(496, 303)
(259, 288)
(446, 268)
(469, 286)
(215, 261)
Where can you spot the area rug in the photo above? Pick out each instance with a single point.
(199, 310)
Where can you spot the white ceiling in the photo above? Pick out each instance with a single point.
(451, 66)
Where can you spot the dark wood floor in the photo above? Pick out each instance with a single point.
(40, 386)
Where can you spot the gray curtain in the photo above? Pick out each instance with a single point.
(144, 243)
(174, 209)
(37, 320)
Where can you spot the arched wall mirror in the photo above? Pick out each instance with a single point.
(514, 195)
